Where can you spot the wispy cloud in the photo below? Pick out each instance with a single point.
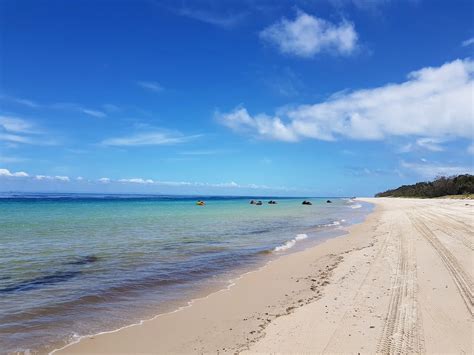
(225, 20)
(433, 102)
(111, 108)
(16, 125)
(433, 144)
(68, 106)
(426, 143)
(206, 152)
(20, 131)
(367, 5)
(9, 160)
(151, 86)
(94, 113)
(307, 35)
(149, 138)
(432, 170)
(364, 171)
(470, 149)
(468, 42)
(20, 101)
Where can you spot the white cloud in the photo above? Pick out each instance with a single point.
(433, 170)
(150, 138)
(433, 144)
(433, 102)
(5, 173)
(51, 178)
(265, 126)
(468, 42)
(94, 113)
(150, 85)
(308, 35)
(8, 173)
(137, 181)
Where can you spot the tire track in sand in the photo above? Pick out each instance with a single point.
(450, 228)
(462, 280)
(403, 332)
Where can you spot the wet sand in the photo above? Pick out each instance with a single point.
(401, 282)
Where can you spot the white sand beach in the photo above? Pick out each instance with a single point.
(401, 282)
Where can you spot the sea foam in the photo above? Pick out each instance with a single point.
(290, 243)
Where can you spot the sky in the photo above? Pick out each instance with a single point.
(282, 98)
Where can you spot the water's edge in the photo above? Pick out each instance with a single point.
(227, 284)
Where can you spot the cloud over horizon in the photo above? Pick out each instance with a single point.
(5, 173)
(434, 103)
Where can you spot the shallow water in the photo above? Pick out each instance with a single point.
(74, 265)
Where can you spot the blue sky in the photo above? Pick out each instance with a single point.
(324, 97)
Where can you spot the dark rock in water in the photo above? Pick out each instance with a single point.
(83, 260)
(56, 277)
(272, 202)
(259, 203)
(328, 201)
(253, 202)
(306, 203)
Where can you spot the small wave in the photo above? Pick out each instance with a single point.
(355, 206)
(301, 236)
(290, 243)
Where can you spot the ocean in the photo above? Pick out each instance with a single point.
(78, 264)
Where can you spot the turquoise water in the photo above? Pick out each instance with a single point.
(72, 265)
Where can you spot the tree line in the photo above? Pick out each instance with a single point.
(441, 186)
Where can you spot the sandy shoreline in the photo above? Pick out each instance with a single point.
(399, 282)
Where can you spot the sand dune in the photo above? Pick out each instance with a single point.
(401, 282)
